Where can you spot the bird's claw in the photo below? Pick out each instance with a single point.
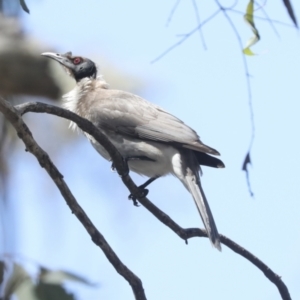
(142, 193)
(135, 202)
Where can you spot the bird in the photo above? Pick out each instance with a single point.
(152, 141)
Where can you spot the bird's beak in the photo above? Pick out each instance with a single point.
(60, 58)
(56, 56)
(63, 59)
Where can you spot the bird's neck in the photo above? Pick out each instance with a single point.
(78, 99)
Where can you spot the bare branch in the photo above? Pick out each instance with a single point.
(185, 234)
(186, 36)
(273, 277)
(198, 23)
(24, 133)
(261, 7)
(172, 13)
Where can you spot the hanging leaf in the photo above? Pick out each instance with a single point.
(290, 10)
(49, 291)
(246, 163)
(58, 277)
(248, 17)
(18, 277)
(24, 6)
(25, 291)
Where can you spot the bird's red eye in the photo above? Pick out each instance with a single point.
(76, 60)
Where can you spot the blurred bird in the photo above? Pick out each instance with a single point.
(151, 140)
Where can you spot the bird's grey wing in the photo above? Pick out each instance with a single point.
(129, 114)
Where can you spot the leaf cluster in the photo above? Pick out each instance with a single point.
(46, 285)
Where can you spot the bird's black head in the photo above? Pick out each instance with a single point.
(76, 66)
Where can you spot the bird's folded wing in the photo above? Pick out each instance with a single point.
(128, 114)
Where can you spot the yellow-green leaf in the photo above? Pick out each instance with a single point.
(248, 51)
(250, 21)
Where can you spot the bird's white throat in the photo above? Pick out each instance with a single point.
(73, 99)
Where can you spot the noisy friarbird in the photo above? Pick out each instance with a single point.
(151, 140)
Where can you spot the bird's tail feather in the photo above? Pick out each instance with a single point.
(194, 186)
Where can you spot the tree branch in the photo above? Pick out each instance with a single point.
(198, 24)
(186, 36)
(14, 116)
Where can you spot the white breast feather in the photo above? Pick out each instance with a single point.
(72, 99)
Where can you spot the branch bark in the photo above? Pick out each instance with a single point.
(14, 116)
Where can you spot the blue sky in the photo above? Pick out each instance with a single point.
(206, 89)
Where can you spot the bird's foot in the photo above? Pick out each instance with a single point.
(142, 193)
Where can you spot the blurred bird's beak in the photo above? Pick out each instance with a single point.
(64, 59)
(56, 56)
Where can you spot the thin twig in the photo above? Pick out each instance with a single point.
(14, 117)
(186, 36)
(185, 234)
(198, 23)
(245, 165)
(269, 20)
(172, 13)
(273, 277)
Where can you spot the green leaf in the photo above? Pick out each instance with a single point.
(60, 276)
(250, 21)
(24, 6)
(26, 291)
(49, 291)
(18, 277)
(248, 51)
